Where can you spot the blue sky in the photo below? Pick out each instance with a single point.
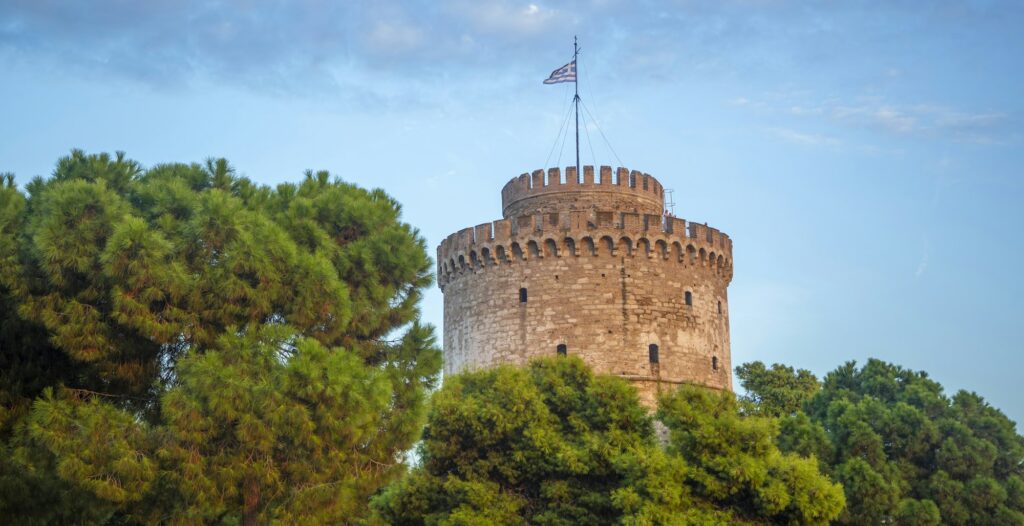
(864, 156)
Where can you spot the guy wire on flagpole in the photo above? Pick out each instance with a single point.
(567, 73)
(576, 100)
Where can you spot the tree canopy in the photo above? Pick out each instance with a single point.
(179, 343)
(555, 444)
(904, 451)
(776, 391)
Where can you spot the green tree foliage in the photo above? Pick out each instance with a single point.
(179, 344)
(735, 463)
(779, 391)
(905, 452)
(555, 444)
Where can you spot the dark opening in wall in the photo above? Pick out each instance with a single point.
(719, 308)
(688, 297)
(714, 363)
(522, 295)
(561, 349)
(652, 352)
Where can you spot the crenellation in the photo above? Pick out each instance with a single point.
(621, 176)
(482, 233)
(538, 179)
(588, 175)
(698, 231)
(576, 225)
(465, 237)
(554, 176)
(629, 190)
(675, 225)
(502, 229)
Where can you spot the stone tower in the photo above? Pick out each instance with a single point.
(593, 268)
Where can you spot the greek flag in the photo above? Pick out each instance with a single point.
(566, 73)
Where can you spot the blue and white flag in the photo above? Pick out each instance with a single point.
(566, 73)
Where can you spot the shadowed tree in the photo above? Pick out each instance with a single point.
(904, 452)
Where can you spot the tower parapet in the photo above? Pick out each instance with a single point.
(591, 268)
(584, 233)
(625, 190)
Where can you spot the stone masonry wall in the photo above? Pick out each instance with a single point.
(607, 284)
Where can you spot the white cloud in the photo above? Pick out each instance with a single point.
(877, 114)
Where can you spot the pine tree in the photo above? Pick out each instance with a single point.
(181, 344)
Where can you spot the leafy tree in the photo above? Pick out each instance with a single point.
(905, 452)
(779, 391)
(555, 444)
(734, 461)
(182, 345)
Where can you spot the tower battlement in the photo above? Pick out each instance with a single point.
(589, 265)
(580, 234)
(623, 190)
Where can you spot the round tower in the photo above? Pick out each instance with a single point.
(592, 268)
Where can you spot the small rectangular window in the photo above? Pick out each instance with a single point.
(561, 349)
(652, 353)
(522, 295)
(689, 298)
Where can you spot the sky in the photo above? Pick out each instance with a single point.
(864, 156)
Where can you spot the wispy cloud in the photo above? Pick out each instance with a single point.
(882, 116)
(299, 43)
(922, 119)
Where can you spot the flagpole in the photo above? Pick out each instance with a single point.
(576, 100)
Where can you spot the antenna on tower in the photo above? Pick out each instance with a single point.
(670, 203)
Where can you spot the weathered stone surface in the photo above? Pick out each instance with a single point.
(606, 275)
